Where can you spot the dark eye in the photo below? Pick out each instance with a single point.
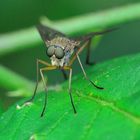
(50, 51)
(59, 53)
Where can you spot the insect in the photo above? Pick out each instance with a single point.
(62, 51)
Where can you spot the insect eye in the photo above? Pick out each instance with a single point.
(59, 53)
(50, 51)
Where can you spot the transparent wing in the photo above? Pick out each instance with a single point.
(48, 33)
(88, 36)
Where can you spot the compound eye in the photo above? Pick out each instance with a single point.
(59, 53)
(50, 51)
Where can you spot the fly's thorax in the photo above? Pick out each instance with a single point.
(65, 43)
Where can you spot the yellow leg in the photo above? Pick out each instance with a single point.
(78, 51)
(37, 76)
(45, 84)
(70, 75)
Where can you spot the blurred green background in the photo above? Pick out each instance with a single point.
(19, 14)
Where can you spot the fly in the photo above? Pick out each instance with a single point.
(62, 51)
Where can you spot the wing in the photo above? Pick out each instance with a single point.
(48, 33)
(86, 37)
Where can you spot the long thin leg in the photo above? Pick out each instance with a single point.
(78, 51)
(86, 44)
(70, 75)
(88, 54)
(64, 74)
(85, 41)
(45, 85)
(37, 77)
(86, 74)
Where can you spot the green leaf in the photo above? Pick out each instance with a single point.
(1, 107)
(109, 114)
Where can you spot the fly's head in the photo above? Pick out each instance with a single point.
(60, 50)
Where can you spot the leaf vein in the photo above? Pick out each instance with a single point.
(85, 135)
(112, 105)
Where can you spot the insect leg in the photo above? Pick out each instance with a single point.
(88, 45)
(64, 74)
(45, 85)
(70, 76)
(88, 54)
(85, 40)
(37, 75)
(86, 74)
(78, 51)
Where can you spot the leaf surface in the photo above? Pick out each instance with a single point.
(109, 114)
